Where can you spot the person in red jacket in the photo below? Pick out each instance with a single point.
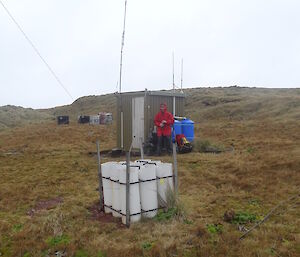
(164, 121)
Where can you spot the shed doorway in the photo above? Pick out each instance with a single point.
(137, 121)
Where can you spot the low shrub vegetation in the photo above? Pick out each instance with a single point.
(164, 215)
(244, 218)
(205, 146)
(214, 228)
(147, 246)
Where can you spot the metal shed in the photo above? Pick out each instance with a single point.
(136, 112)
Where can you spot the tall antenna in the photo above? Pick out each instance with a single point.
(122, 48)
(181, 74)
(174, 98)
(173, 73)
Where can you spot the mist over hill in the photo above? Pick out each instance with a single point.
(202, 104)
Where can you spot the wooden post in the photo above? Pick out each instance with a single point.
(127, 189)
(100, 178)
(175, 168)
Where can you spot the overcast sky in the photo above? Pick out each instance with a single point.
(222, 42)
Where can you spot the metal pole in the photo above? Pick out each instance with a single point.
(173, 72)
(181, 75)
(100, 178)
(174, 99)
(127, 189)
(142, 149)
(174, 144)
(122, 129)
(175, 173)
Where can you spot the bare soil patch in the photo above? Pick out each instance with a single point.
(101, 216)
(45, 205)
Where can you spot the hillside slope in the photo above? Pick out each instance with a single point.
(13, 116)
(87, 105)
(49, 183)
(232, 103)
(237, 103)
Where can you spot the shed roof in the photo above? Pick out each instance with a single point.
(153, 93)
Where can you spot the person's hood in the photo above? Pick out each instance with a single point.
(164, 107)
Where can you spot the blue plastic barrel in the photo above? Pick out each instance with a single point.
(177, 129)
(188, 129)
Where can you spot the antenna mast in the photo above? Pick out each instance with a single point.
(181, 75)
(173, 73)
(174, 98)
(122, 48)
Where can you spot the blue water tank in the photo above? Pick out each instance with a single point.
(177, 129)
(188, 129)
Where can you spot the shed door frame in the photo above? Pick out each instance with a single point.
(138, 120)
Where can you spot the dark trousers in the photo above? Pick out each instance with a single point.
(161, 140)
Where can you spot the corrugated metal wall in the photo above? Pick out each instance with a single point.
(125, 105)
(151, 108)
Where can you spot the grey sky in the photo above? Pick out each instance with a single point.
(223, 43)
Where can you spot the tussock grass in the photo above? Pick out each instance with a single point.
(205, 146)
(244, 218)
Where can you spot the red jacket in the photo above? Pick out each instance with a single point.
(168, 117)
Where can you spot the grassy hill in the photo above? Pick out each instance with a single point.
(237, 103)
(86, 105)
(202, 104)
(49, 196)
(14, 116)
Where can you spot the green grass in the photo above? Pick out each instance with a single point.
(17, 228)
(81, 253)
(147, 246)
(244, 218)
(5, 246)
(166, 215)
(214, 228)
(58, 240)
(101, 254)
